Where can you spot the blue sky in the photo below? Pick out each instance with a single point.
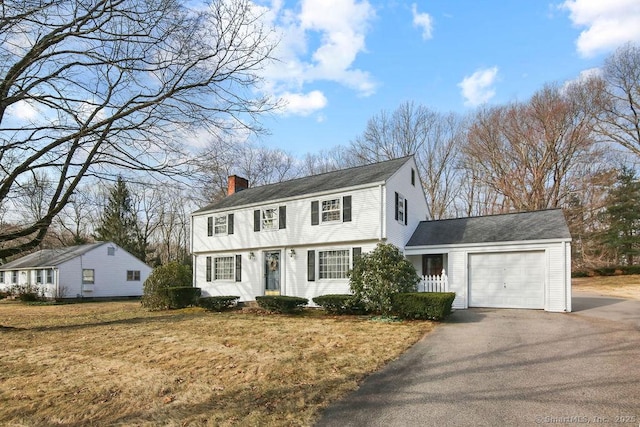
(343, 61)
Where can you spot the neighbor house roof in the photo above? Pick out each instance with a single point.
(335, 180)
(50, 257)
(513, 227)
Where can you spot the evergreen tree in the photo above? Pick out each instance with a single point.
(119, 223)
(622, 217)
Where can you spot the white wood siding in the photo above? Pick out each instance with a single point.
(398, 233)
(364, 225)
(110, 273)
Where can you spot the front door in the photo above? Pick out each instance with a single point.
(272, 272)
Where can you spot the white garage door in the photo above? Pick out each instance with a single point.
(507, 279)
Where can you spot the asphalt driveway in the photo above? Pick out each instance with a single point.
(510, 367)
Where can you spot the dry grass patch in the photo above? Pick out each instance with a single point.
(116, 364)
(614, 286)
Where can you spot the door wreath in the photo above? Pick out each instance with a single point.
(273, 264)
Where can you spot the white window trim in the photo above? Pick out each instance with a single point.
(331, 221)
(93, 281)
(40, 276)
(348, 263)
(275, 224)
(133, 275)
(214, 272)
(222, 232)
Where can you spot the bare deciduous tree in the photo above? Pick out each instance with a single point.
(620, 121)
(94, 87)
(533, 155)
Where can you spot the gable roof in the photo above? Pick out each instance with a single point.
(523, 226)
(334, 180)
(50, 257)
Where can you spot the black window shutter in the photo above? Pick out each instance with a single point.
(256, 220)
(208, 269)
(238, 268)
(210, 226)
(406, 211)
(397, 200)
(282, 217)
(315, 212)
(346, 209)
(230, 224)
(356, 253)
(311, 266)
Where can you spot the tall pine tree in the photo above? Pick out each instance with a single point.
(622, 217)
(119, 223)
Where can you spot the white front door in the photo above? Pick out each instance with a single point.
(507, 279)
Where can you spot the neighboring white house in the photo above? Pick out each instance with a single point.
(300, 237)
(95, 270)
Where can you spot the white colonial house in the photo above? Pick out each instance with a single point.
(95, 270)
(300, 238)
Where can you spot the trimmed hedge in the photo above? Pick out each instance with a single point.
(281, 303)
(339, 304)
(183, 296)
(423, 305)
(218, 303)
(623, 270)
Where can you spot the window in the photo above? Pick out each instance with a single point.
(432, 265)
(223, 268)
(220, 225)
(333, 264)
(133, 275)
(14, 276)
(330, 210)
(38, 276)
(49, 275)
(88, 276)
(111, 251)
(400, 208)
(270, 219)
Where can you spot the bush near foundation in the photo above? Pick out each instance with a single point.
(183, 296)
(423, 305)
(156, 294)
(218, 303)
(339, 304)
(281, 303)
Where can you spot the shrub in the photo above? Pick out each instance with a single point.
(630, 269)
(218, 303)
(339, 304)
(423, 305)
(172, 275)
(281, 303)
(580, 273)
(378, 275)
(183, 296)
(605, 271)
(26, 293)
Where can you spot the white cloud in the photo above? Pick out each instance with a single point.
(23, 110)
(303, 104)
(609, 23)
(478, 87)
(318, 42)
(422, 20)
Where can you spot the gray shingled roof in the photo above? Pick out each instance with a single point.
(335, 180)
(50, 257)
(537, 225)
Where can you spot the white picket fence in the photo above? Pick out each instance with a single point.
(435, 283)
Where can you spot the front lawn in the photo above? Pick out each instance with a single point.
(114, 363)
(614, 286)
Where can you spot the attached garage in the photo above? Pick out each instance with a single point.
(507, 279)
(519, 260)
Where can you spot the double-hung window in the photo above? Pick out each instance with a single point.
(333, 264)
(14, 276)
(88, 276)
(331, 210)
(220, 225)
(39, 276)
(49, 275)
(270, 219)
(223, 268)
(133, 275)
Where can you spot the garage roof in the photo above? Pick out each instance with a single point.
(513, 227)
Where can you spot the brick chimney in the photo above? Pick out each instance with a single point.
(236, 183)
